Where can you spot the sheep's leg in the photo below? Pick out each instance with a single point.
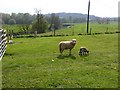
(83, 53)
(80, 53)
(70, 52)
(87, 52)
(61, 51)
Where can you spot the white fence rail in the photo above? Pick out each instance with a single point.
(3, 42)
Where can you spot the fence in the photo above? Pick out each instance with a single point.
(3, 42)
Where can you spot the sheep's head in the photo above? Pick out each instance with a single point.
(73, 41)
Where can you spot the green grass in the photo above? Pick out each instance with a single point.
(28, 63)
(15, 28)
(81, 29)
(77, 29)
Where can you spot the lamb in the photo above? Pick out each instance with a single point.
(67, 45)
(83, 51)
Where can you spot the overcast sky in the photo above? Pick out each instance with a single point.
(102, 8)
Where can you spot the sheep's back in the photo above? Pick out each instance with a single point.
(66, 45)
(83, 49)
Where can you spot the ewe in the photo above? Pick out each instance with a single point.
(67, 45)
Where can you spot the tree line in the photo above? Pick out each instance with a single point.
(20, 18)
(40, 23)
(26, 18)
(31, 23)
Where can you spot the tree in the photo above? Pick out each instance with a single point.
(25, 26)
(70, 19)
(13, 16)
(5, 18)
(54, 22)
(11, 21)
(57, 23)
(40, 25)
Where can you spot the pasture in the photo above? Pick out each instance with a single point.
(36, 63)
(81, 29)
(78, 28)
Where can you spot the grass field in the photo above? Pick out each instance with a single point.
(15, 28)
(28, 63)
(77, 29)
(81, 29)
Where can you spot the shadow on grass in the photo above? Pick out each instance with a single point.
(9, 54)
(66, 56)
(84, 56)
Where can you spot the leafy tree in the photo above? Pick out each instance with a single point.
(5, 18)
(11, 21)
(57, 22)
(54, 22)
(40, 25)
(25, 26)
(70, 19)
(13, 15)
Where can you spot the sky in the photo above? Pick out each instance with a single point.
(101, 8)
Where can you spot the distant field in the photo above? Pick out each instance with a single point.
(77, 29)
(15, 28)
(81, 29)
(28, 63)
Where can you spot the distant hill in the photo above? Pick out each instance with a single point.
(75, 17)
(27, 18)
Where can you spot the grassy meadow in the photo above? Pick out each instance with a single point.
(15, 28)
(78, 28)
(36, 63)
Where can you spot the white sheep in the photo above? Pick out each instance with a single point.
(10, 42)
(67, 45)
